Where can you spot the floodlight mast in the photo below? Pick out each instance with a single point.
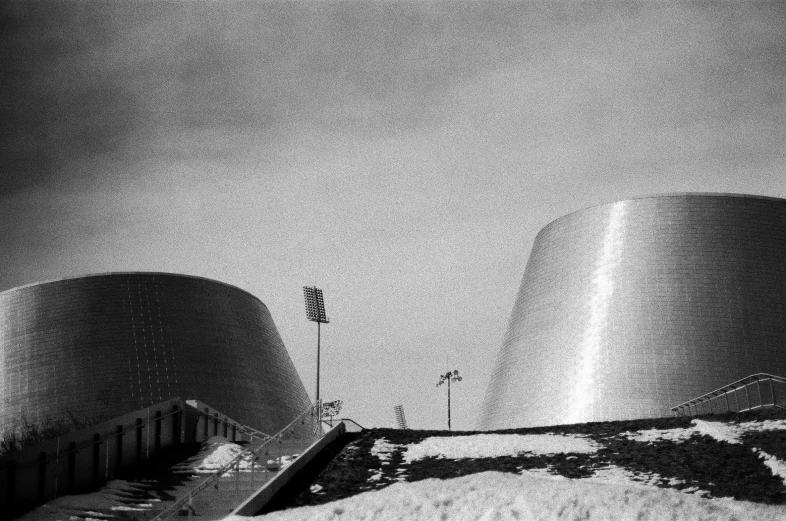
(315, 312)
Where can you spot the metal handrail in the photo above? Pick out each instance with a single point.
(732, 387)
(339, 420)
(214, 477)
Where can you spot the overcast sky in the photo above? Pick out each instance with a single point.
(401, 156)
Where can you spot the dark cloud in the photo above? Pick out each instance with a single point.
(85, 79)
(57, 107)
(82, 80)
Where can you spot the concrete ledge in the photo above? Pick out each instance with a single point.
(262, 497)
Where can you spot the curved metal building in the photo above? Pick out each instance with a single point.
(630, 308)
(105, 345)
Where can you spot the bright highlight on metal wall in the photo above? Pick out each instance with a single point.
(628, 308)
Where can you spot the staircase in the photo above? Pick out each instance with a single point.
(233, 487)
(179, 482)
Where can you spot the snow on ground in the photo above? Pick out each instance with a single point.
(496, 445)
(382, 449)
(728, 432)
(777, 466)
(478, 446)
(217, 452)
(501, 496)
(614, 475)
(116, 495)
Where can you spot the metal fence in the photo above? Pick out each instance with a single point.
(85, 459)
(752, 392)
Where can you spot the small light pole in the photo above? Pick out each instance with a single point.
(449, 377)
(315, 312)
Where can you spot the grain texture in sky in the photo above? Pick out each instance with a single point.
(401, 156)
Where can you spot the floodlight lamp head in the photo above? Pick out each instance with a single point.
(315, 304)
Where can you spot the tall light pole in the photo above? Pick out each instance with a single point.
(315, 312)
(449, 377)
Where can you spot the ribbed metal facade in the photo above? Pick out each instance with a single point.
(630, 308)
(104, 345)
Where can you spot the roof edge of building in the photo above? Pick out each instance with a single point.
(120, 273)
(665, 195)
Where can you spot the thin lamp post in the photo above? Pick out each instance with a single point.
(449, 377)
(315, 312)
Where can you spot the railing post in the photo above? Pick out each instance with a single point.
(42, 477)
(758, 386)
(11, 484)
(176, 424)
(96, 458)
(237, 479)
(139, 440)
(748, 397)
(147, 436)
(71, 476)
(119, 438)
(57, 465)
(772, 389)
(157, 435)
(106, 472)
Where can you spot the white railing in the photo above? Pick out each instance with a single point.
(187, 499)
(351, 425)
(737, 397)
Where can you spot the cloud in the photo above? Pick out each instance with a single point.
(83, 80)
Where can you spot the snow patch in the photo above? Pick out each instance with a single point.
(778, 467)
(728, 432)
(217, 452)
(614, 475)
(497, 495)
(117, 495)
(383, 449)
(496, 445)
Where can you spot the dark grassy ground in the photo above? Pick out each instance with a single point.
(721, 469)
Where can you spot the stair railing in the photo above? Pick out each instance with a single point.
(187, 499)
(717, 401)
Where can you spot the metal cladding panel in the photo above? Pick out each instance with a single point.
(103, 345)
(630, 308)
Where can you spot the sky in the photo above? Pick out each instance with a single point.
(401, 156)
